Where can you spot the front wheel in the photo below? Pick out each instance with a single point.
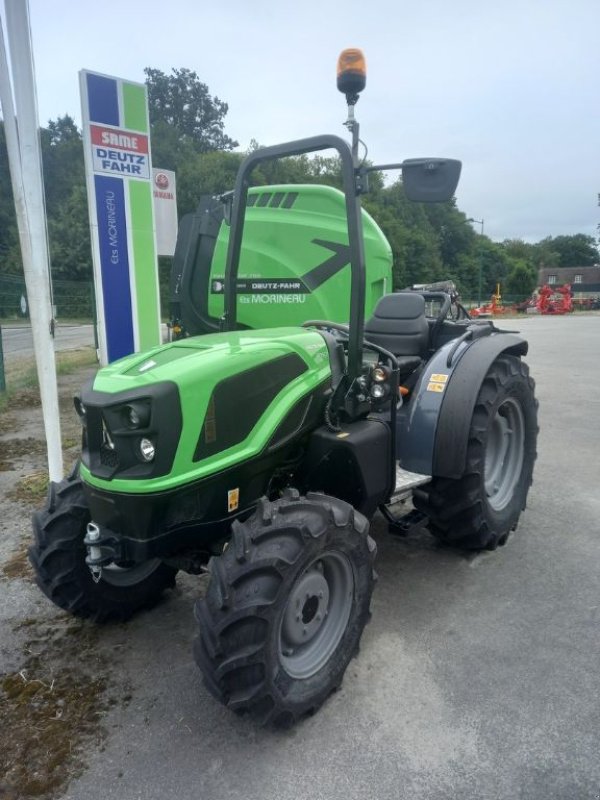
(479, 510)
(58, 559)
(286, 607)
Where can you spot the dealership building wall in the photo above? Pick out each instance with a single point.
(585, 281)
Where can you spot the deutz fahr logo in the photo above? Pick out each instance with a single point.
(305, 284)
(120, 151)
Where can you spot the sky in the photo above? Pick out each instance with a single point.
(510, 87)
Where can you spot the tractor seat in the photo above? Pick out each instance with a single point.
(399, 325)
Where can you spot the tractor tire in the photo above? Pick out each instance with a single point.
(286, 607)
(479, 510)
(58, 559)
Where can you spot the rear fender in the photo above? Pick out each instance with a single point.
(433, 427)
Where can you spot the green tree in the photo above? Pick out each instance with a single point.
(66, 200)
(523, 267)
(517, 248)
(521, 279)
(66, 206)
(10, 258)
(578, 250)
(69, 235)
(453, 231)
(300, 169)
(169, 149)
(494, 265)
(466, 276)
(545, 255)
(62, 156)
(415, 248)
(206, 173)
(183, 111)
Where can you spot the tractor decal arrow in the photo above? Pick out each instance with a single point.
(305, 284)
(328, 268)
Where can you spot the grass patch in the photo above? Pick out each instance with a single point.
(69, 361)
(21, 376)
(22, 448)
(31, 489)
(52, 708)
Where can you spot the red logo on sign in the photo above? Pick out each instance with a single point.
(116, 139)
(162, 181)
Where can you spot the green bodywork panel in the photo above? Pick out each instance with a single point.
(285, 231)
(196, 365)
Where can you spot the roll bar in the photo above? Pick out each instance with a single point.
(355, 233)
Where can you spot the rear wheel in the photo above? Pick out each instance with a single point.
(58, 559)
(479, 510)
(286, 607)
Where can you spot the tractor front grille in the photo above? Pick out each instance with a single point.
(109, 457)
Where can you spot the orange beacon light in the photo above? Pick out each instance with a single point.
(351, 72)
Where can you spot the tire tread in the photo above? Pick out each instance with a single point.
(232, 648)
(57, 556)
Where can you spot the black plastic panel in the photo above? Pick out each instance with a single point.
(352, 464)
(111, 445)
(238, 402)
(194, 516)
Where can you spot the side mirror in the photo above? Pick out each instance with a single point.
(430, 180)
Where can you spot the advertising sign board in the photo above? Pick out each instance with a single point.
(165, 210)
(116, 135)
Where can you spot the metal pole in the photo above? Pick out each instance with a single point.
(2, 378)
(94, 318)
(24, 152)
(479, 222)
(480, 261)
(353, 126)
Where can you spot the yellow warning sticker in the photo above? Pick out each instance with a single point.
(439, 377)
(233, 500)
(435, 387)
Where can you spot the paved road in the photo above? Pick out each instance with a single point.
(477, 679)
(17, 340)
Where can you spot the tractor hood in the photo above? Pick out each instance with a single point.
(198, 406)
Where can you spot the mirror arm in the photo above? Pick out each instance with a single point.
(381, 167)
(414, 162)
(362, 175)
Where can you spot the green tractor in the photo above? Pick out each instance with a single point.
(262, 455)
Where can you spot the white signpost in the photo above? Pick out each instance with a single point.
(165, 210)
(21, 126)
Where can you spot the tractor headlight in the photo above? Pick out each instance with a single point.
(380, 374)
(379, 390)
(147, 449)
(137, 415)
